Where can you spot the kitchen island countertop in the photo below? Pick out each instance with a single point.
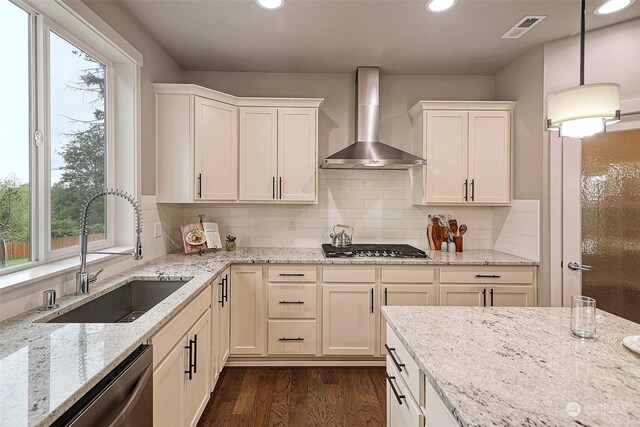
(521, 366)
(45, 368)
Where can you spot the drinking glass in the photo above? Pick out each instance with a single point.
(583, 316)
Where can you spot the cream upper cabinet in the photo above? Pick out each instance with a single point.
(467, 146)
(258, 153)
(297, 154)
(216, 150)
(490, 156)
(248, 317)
(216, 147)
(446, 161)
(278, 154)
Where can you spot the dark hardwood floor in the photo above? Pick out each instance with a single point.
(298, 397)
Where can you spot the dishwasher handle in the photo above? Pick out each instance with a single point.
(131, 402)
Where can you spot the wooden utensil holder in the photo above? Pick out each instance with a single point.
(458, 241)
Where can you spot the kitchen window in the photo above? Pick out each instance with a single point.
(57, 133)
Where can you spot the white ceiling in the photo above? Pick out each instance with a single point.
(335, 36)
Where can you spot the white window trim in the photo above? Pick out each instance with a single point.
(74, 21)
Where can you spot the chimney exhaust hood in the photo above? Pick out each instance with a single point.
(368, 152)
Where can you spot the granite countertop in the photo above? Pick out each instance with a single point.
(45, 368)
(521, 366)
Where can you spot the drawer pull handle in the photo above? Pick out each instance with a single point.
(290, 302)
(390, 350)
(487, 276)
(291, 339)
(291, 274)
(398, 395)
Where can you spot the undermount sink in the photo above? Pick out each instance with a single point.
(122, 305)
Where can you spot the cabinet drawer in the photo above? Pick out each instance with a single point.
(407, 368)
(436, 412)
(291, 300)
(486, 275)
(406, 274)
(349, 274)
(403, 410)
(292, 337)
(167, 337)
(292, 274)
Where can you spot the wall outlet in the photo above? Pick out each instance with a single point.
(292, 224)
(157, 230)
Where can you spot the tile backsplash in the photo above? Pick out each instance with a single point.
(378, 204)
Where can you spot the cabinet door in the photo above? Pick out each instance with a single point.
(463, 295)
(216, 150)
(169, 388)
(447, 134)
(258, 153)
(512, 296)
(403, 295)
(348, 324)
(297, 154)
(197, 388)
(490, 156)
(216, 309)
(248, 321)
(224, 323)
(402, 409)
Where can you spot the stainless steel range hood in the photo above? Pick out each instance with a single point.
(368, 152)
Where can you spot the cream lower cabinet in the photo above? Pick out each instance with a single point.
(248, 316)
(349, 311)
(182, 363)
(496, 286)
(405, 286)
(220, 325)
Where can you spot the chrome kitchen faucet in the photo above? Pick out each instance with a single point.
(83, 279)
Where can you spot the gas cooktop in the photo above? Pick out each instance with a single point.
(386, 251)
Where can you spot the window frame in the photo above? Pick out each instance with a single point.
(40, 28)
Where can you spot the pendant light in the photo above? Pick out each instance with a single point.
(583, 110)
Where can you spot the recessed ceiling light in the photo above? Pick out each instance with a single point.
(612, 6)
(437, 6)
(270, 4)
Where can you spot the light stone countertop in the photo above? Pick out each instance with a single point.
(45, 368)
(521, 366)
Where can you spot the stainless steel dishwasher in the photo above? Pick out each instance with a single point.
(123, 398)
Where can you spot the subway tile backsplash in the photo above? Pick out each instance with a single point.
(378, 205)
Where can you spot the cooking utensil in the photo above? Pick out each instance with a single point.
(453, 224)
(463, 229)
(340, 239)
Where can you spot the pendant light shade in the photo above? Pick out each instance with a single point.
(583, 110)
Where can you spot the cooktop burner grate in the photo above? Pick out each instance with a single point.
(373, 250)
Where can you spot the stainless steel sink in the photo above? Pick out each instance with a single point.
(122, 305)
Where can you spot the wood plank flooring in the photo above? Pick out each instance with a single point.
(298, 397)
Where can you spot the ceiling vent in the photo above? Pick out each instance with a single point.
(524, 25)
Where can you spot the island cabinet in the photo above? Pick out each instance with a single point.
(497, 286)
(292, 310)
(468, 149)
(248, 317)
(278, 154)
(405, 285)
(182, 363)
(349, 311)
(220, 324)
